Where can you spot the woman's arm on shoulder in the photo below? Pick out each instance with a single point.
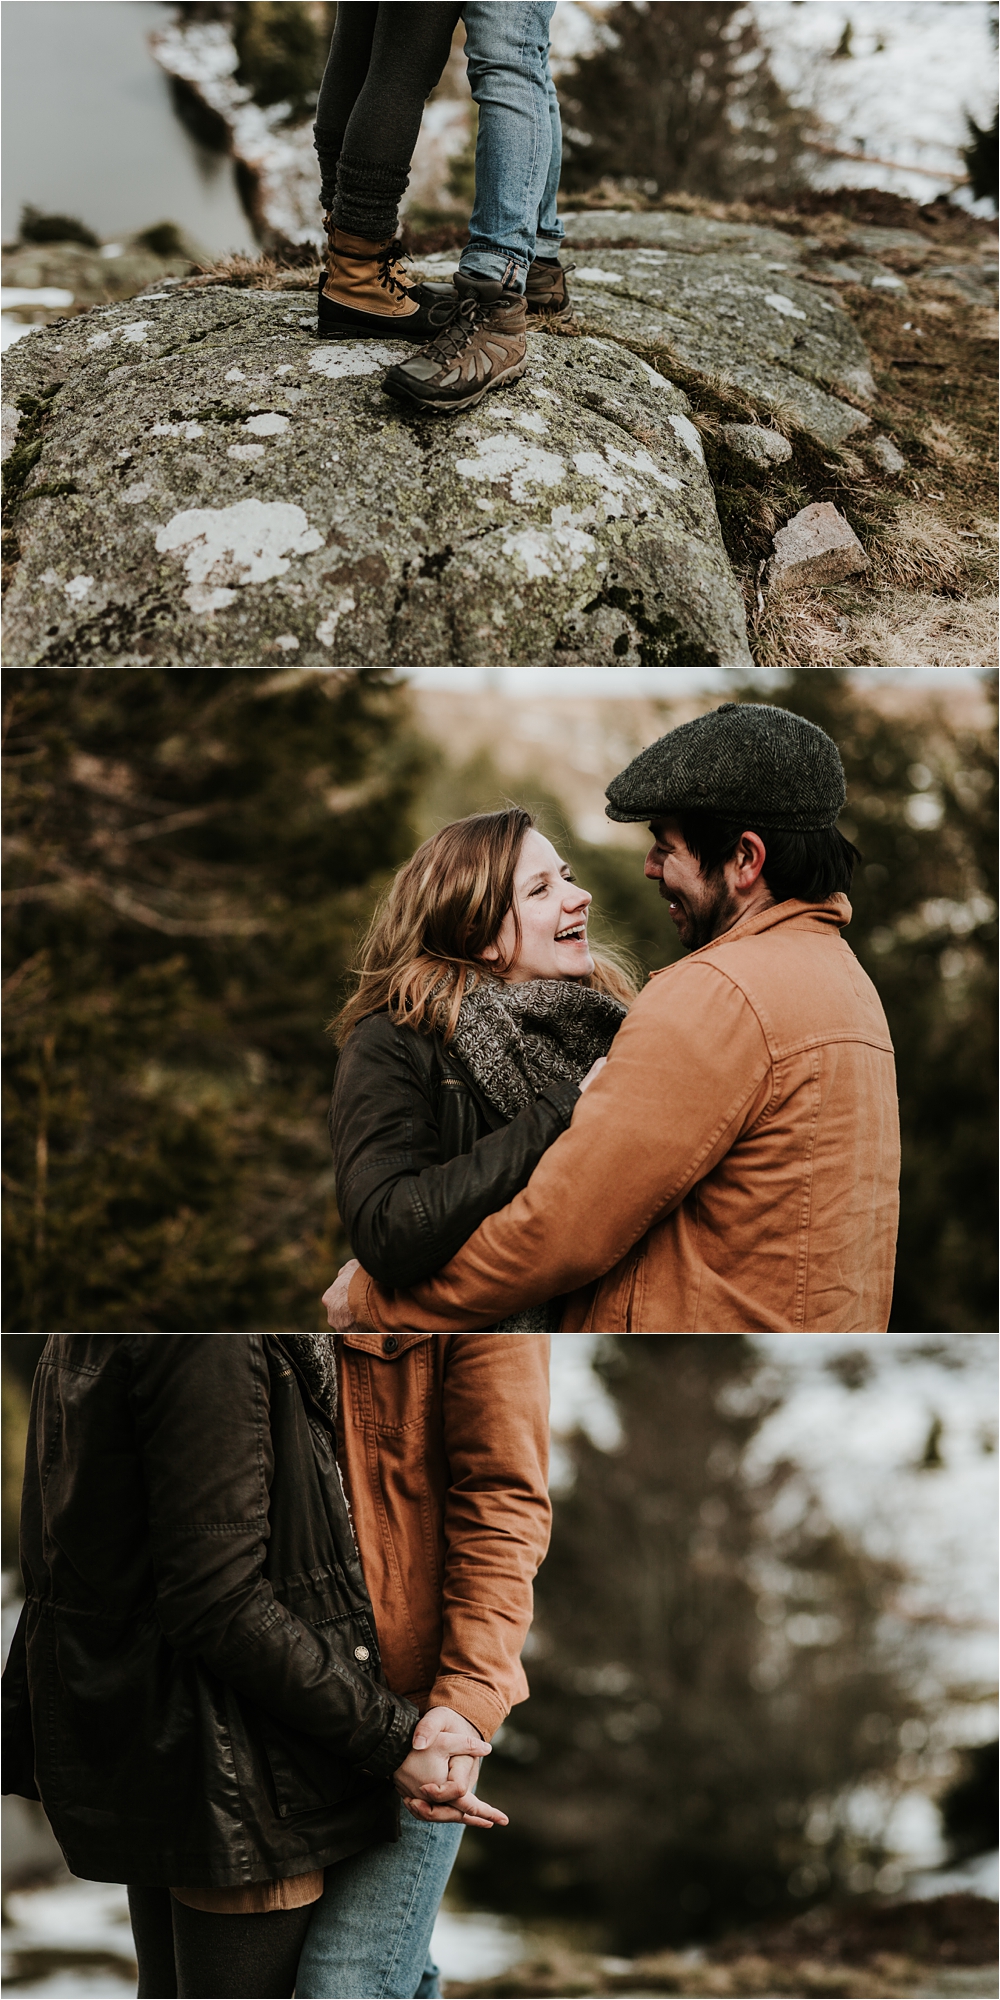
(407, 1212)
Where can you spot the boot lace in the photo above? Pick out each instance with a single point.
(390, 273)
(463, 318)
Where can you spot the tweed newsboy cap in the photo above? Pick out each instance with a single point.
(745, 760)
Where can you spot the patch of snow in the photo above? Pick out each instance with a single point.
(47, 296)
(268, 424)
(250, 542)
(506, 458)
(592, 274)
(326, 629)
(78, 588)
(688, 434)
(337, 361)
(780, 304)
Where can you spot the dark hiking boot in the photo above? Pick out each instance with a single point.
(547, 292)
(362, 290)
(483, 346)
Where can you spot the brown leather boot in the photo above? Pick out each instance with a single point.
(483, 346)
(546, 291)
(362, 290)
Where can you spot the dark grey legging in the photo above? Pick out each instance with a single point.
(384, 61)
(190, 1955)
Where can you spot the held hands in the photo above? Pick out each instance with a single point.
(338, 1310)
(437, 1780)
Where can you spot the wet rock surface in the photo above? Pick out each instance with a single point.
(200, 481)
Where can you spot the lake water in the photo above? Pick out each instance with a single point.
(89, 129)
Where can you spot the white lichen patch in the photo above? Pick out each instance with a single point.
(507, 458)
(591, 274)
(337, 361)
(558, 550)
(78, 588)
(653, 375)
(135, 330)
(267, 424)
(9, 421)
(245, 451)
(250, 542)
(618, 473)
(189, 430)
(132, 495)
(688, 434)
(234, 375)
(327, 627)
(779, 304)
(530, 420)
(287, 643)
(99, 340)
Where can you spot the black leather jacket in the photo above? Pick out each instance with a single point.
(194, 1690)
(421, 1156)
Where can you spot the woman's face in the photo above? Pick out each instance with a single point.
(552, 913)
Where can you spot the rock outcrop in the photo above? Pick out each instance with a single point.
(203, 482)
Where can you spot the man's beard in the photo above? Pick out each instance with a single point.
(712, 917)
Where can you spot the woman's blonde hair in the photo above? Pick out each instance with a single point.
(424, 947)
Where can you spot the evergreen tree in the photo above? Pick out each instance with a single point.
(706, 1678)
(681, 98)
(190, 854)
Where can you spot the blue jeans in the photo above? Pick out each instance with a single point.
(519, 147)
(370, 1934)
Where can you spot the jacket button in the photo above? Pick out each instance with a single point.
(361, 1653)
(391, 1344)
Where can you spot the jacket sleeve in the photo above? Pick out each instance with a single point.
(405, 1211)
(208, 1518)
(497, 1519)
(688, 1071)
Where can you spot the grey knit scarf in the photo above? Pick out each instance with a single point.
(515, 1039)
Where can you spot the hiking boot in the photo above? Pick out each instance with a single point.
(362, 290)
(483, 346)
(547, 292)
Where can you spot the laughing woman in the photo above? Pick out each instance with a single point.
(480, 1015)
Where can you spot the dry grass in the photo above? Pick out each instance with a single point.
(260, 274)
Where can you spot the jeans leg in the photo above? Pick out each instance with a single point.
(370, 1935)
(507, 51)
(550, 228)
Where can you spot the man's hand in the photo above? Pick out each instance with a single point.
(435, 1780)
(335, 1299)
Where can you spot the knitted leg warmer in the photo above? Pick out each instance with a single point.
(367, 199)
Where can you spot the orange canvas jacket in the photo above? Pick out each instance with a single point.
(733, 1169)
(443, 1443)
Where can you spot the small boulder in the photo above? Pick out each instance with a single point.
(755, 442)
(887, 455)
(816, 547)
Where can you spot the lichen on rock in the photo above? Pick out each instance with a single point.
(231, 488)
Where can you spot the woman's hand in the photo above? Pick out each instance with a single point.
(594, 1070)
(337, 1303)
(435, 1781)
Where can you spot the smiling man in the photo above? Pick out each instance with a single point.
(734, 1168)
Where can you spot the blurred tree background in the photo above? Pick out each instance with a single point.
(681, 99)
(190, 858)
(710, 1680)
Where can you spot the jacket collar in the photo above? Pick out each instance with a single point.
(833, 914)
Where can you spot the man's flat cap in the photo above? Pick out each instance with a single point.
(745, 760)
